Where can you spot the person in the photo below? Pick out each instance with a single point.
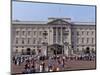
(43, 64)
(37, 67)
(57, 69)
(50, 69)
(22, 60)
(54, 68)
(62, 64)
(33, 69)
(26, 66)
(46, 69)
(25, 71)
(17, 62)
(41, 67)
(59, 62)
(13, 59)
(28, 70)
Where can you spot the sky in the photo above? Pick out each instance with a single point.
(32, 11)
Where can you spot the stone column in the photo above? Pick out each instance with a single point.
(61, 36)
(56, 36)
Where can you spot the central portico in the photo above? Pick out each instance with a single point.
(57, 37)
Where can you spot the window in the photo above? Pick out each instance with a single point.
(22, 46)
(40, 33)
(34, 33)
(22, 40)
(28, 40)
(16, 40)
(92, 49)
(23, 32)
(64, 28)
(34, 40)
(87, 32)
(16, 46)
(82, 40)
(38, 46)
(40, 40)
(82, 49)
(77, 40)
(33, 46)
(92, 40)
(43, 28)
(77, 49)
(82, 32)
(17, 32)
(72, 33)
(77, 33)
(22, 51)
(92, 33)
(33, 28)
(87, 40)
(29, 32)
(16, 51)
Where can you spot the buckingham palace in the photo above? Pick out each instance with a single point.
(52, 37)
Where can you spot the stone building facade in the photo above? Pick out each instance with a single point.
(55, 36)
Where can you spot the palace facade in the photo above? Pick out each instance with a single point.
(55, 36)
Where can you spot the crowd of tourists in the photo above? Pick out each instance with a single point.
(34, 64)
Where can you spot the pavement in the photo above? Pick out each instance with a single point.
(69, 65)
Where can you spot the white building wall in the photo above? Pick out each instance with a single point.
(84, 33)
(72, 37)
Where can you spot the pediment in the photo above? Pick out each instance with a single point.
(58, 22)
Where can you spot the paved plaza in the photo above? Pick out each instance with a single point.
(69, 64)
